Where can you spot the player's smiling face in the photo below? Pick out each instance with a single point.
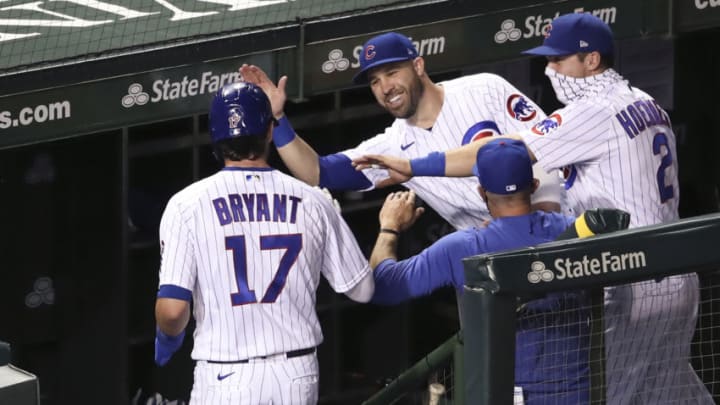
(397, 88)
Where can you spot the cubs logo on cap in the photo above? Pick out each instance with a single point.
(370, 52)
(382, 49)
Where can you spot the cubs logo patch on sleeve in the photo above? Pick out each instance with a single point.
(547, 125)
(480, 130)
(519, 108)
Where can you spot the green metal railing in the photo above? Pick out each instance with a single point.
(450, 353)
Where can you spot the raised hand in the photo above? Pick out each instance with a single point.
(276, 93)
(399, 212)
(326, 193)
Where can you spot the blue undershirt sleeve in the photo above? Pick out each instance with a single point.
(174, 291)
(437, 266)
(337, 173)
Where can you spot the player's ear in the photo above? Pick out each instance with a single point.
(535, 185)
(592, 61)
(419, 65)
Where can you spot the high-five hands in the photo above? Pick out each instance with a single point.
(398, 169)
(276, 93)
(400, 166)
(399, 212)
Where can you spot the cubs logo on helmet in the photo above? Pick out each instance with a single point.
(547, 125)
(480, 130)
(519, 108)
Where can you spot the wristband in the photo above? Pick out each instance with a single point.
(283, 133)
(430, 165)
(391, 231)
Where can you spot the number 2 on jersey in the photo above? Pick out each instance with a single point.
(292, 245)
(660, 140)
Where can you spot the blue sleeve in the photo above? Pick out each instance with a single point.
(437, 266)
(337, 173)
(173, 291)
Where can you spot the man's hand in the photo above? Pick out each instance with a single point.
(326, 193)
(399, 212)
(398, 168)
(276, 94)
(392, 179)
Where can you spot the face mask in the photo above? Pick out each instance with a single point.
(567, 89)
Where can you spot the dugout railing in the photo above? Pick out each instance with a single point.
(496, 283)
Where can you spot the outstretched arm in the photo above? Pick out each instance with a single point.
(298, 156)
(331, 171)
(456, 162)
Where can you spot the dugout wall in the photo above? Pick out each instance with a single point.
(82, 192)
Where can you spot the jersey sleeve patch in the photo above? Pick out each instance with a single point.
(519, 108)
(480, 130)
(547, 125)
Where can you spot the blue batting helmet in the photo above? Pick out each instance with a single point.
(239, 109)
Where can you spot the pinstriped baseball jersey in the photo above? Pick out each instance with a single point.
(618, 150)
(484, 102)
(251, 244)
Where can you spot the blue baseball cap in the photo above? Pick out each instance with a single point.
(503, 166)
(385, 48)
(574, 33)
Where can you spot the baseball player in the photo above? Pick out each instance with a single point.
(247, 246)
(429, 117)
(617, 147)
(552, 341)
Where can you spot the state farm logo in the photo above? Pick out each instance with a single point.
(703, 4)
(335, 61)
(538, 25)
(538, 272)
(135, 95)
(171, 89)
(507, 32)
(605, 262)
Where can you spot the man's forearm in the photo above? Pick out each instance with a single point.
(172, 315)
(385, 248)
(302, 160)
(298, 156)
(459, 162)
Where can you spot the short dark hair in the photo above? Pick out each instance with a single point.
(241, 148)
(607, 60)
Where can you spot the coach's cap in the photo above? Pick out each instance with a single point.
(503, 166)
(385, 48)
(574, 33)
